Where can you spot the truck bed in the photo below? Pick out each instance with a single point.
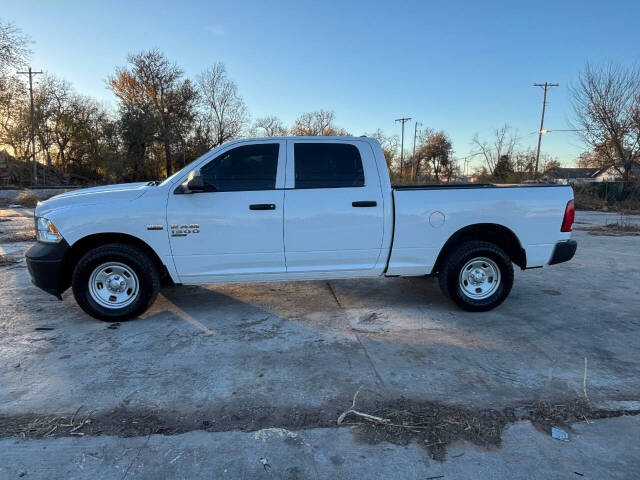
(426, 216)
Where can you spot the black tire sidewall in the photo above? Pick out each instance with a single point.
(467, 252)
(128, 255)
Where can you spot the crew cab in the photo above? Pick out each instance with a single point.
(293, 208)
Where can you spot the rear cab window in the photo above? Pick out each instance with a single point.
(327, 165)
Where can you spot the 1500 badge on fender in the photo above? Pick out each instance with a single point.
(184, 230)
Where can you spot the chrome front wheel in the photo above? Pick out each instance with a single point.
(113, 285)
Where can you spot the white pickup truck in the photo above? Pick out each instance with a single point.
(293, 208)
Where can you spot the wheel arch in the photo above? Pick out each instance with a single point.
(494, 233)
(85, 244)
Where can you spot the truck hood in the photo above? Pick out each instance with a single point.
(91, 196)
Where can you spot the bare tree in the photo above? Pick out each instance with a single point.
(14, 47)
(316, 123)
(606, 102)
(390, 146)
(14, 106)
(270, 126)
(14, 115)
(523, 162)
(504, 142)
(592, 159)
(224, 108)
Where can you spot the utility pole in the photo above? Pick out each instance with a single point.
(31, 73)
(545, 86)
(415, 134)
(403, 121)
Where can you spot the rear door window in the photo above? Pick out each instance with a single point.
(327, 165)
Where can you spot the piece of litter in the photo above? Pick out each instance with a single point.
(265, 463)
(559, 434)
(43, 328)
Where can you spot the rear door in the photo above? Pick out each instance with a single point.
(333, 207)
(234, 228)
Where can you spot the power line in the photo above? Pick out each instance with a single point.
(403, 121)
(545, 86)
(31, 73)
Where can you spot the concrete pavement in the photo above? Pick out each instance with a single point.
(291, 355)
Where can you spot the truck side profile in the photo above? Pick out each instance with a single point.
(293, 208)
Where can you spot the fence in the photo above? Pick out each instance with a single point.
(608, 196)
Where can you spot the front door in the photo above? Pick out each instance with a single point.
(234, 227)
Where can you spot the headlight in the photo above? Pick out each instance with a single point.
(46, 231)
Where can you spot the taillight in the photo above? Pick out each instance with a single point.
(569, 215)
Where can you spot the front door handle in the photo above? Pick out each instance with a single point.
(262, 206)
(365, 203)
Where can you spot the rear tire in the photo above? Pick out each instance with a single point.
(115, 282)
(477, 275)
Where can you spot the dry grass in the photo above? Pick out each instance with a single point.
(27, 198)
(619, 229)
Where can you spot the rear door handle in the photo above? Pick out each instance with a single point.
(364, 203)
(262, 206)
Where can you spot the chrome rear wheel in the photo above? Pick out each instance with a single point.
(479, 278)
(477, 275)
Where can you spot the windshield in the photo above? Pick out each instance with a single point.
(172, 177)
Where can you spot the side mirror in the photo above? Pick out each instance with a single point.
(196, 184)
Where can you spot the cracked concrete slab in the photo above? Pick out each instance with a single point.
(600, 449)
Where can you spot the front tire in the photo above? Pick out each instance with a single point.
(477, 276)
(115, 282)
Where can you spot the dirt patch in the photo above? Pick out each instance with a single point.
(435, 426)
(8, 260)
(432, 425)
(613, 230)
(18, 236)
(132, 422)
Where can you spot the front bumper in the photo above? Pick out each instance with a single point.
(563, 252)
(45, 264)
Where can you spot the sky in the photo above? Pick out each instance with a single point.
(465, 67)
